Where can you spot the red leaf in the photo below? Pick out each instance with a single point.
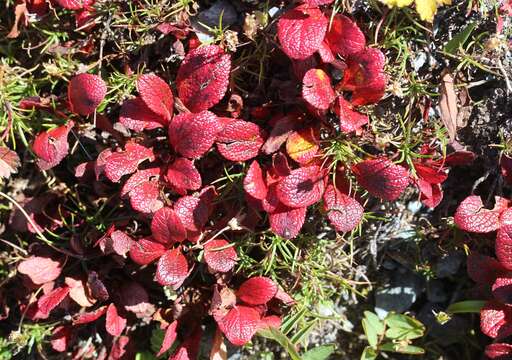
(169, 338)
(192, 135)
(317, 89)
(75, 4)
(254, 183)
(343, 211)
(119, 348)
(459, 158)
(382, 178)
(135, 299)
(350, 120)
(157, 95)
(85, 93)
(219, 255)
(301, 31)
(240, 140)
(283, 127)
(139, 178)
(506, 168)
(88, 317)
(496, 320)
(78, 292)
(499, 351)
(431, 194)
(146, 198)
(257, 290)
(101, 161)
(50, 301)
(272, 321)
(365, 77)
(483, 269)
(115, 241)
(183, 176)
(325, 53)
(39, 269)
(502, 289)
(303, 187)
(430, 174)
(126, 162)
(317, 2)
(61, 337)
(203, 77)
(51, 147)
(114, 323)
(136, 116)
(503, 245)
(473, 217)
(240, 324)
(287, 222)
(193, 211)
(344, 37)
(145, 251)
(9, 162)
(167, 227)
(302, 146)
(172, 268)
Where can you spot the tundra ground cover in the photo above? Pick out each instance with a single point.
(189, 179)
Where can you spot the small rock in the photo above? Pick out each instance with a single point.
(449, 265)
(211, 17)
(399, 295)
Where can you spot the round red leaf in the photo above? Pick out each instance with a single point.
(126, 162)
(145, 251)
(192, 135)
(382, 178)
(499, 351)
(136, 116)
(203, 77)
(254, 183)
(75, 4)
(114, 323)
(495, 320)
(350, 120)
(166, 227)
(183, 176)
(344, 37)
(39, 269)
(157, 95)
(343, 211)
(240, 140)
(303, 187)
(85, 93)
(301, 31)
(51, 147)
(219, 255)
(317, 89)
(287, 222)
(172, 268)
(257, 290)
(240, 324)
(472, 216)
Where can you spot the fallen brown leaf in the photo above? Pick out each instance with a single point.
(19, 12)
(448, 104)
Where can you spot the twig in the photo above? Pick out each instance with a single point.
(507, 80)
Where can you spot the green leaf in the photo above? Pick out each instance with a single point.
(402, 348)
(146, 355)
(403, 327)
(276, 335)
(319, 352)
(469, 306)
(293, 320)
(369, 354)
(373, 328)
(459, 40)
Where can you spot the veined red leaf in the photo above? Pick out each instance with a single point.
(136, 116)
(502, 289)
(39, 269)
(169, 338)
(61, 337)
(75, 4)
(254, 182)
(495, 320)
(193, 211)
(172, 268)
(51, 146)
(430, 174)
(282, 128)
(301, 31)
(271, 321)
(325, 53)
(344, 36)
(203, 77)
(287, 222)
(145, 251)
(240, 324)
(157, 95)
(146, 198)
(317, 2)
(343, 211)
(126, 162)
(257, 290)
(303, 187)
(114, 323)
(365, 77)
(317, 89)
(240, 140)
(219, 255)
(192, 135)
(302, 146)
(472, 216)
(499, 351)
(50, 301)
(484, 269)
(183, 176)
(503, 245)
(167, 227)
(350, 119)
(139, 178)
(88, 317)
(85, 93)
(382, 178)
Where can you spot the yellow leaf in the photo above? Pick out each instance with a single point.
(425, 8)
(397, 3)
